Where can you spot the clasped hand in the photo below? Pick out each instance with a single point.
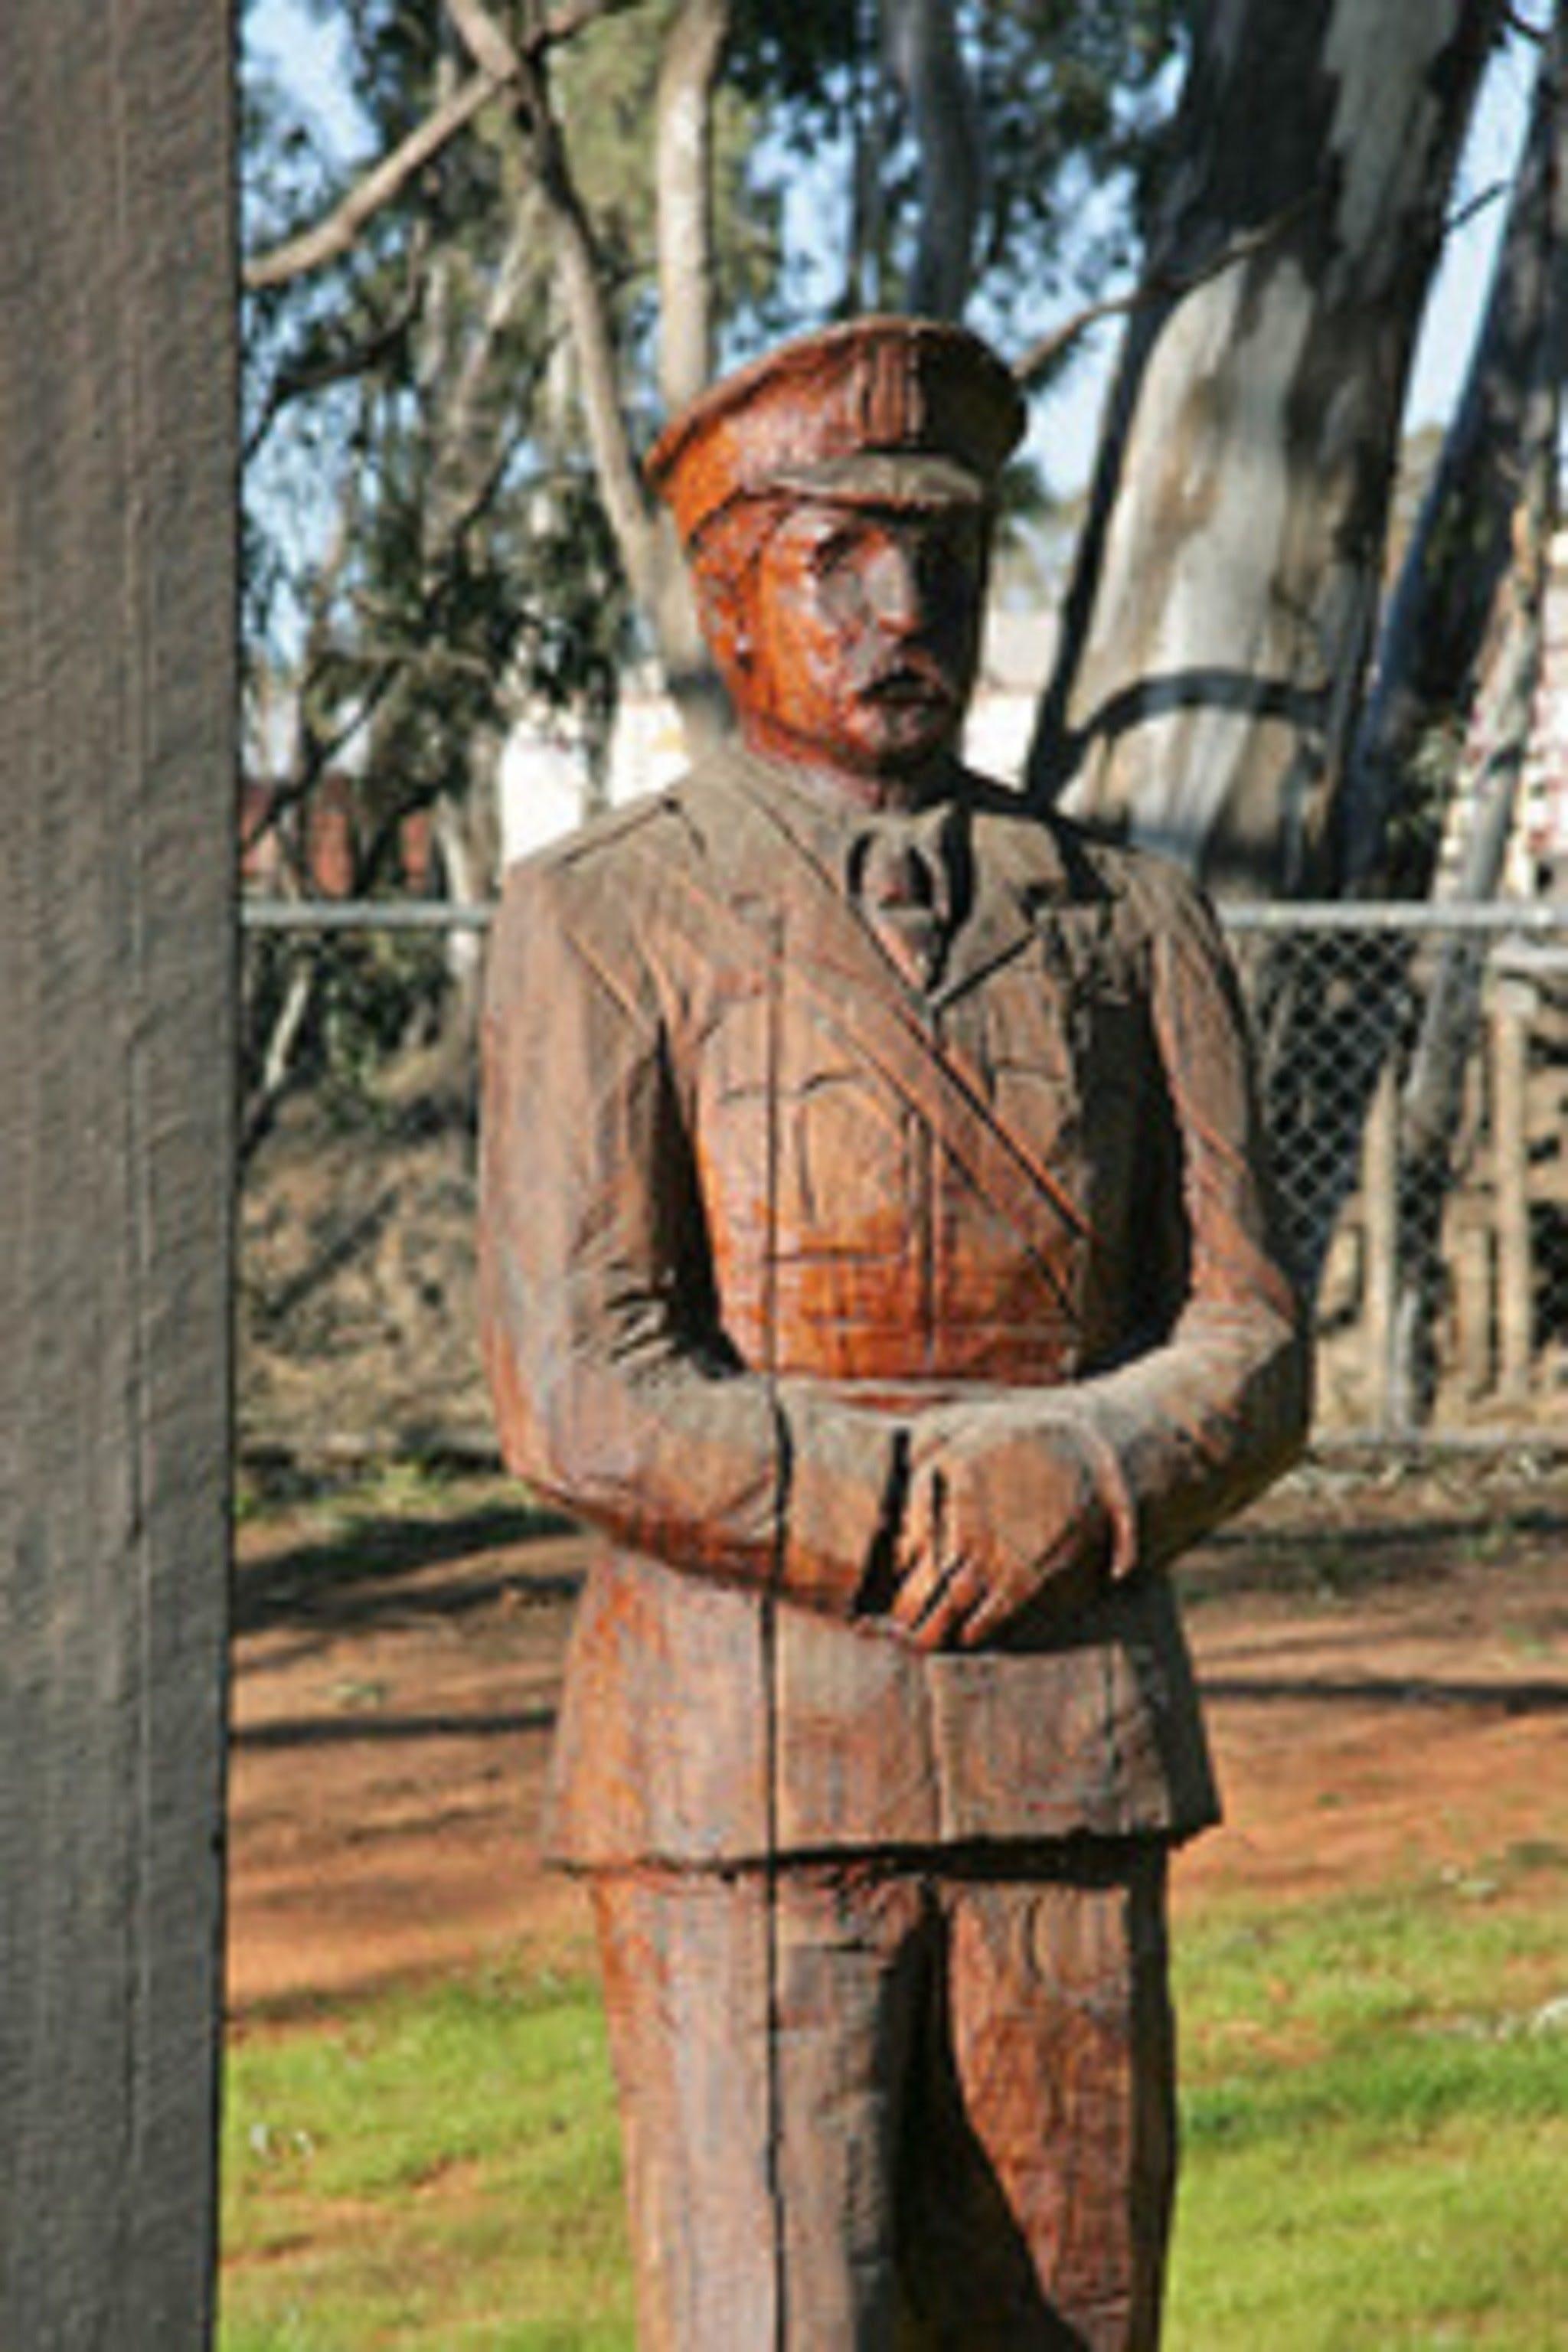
(996, 1523)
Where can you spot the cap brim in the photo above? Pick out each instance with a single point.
(884, 478)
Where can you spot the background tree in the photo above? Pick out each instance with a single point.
(455, 353)
(572, 213)
(431, 549)
(1454, 662)
(1226, 586)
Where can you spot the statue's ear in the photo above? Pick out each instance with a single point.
(721, 603)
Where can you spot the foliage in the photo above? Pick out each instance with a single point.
(428, 547)
(1375, 2113)
(1076, 102)
(1072, 102)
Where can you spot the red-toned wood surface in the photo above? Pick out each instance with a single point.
(874, 1248)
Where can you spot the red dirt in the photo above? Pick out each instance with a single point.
(1386, 1667)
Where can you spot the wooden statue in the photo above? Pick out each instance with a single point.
(874, 1248)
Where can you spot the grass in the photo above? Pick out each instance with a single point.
(436, 2168)
(1376, 2119)
(1375, 2115)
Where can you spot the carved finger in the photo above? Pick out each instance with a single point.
(918, 1556)
(962, 1591)
(992, 1612)
(937, 1627)
(919, 1583)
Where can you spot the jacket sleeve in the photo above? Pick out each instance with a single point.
(615, 1393)
(1187, 1433)
(1177, 1437)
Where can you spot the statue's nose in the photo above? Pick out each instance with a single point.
(893, 588)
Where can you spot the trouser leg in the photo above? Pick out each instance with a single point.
(760, 2037)
(1040, 2164)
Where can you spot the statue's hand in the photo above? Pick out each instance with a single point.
(996, 1525)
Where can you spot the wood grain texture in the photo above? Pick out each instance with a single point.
(875, 1245)
(117, 687)
(974, 2125)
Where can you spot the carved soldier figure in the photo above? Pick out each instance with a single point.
(874, 1248)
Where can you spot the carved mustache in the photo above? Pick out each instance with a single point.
(912, 676)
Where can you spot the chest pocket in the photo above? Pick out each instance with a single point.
(1068, 1058)
(1027, 1049)
(837, 1148)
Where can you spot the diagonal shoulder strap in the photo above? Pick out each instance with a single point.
(855, 996)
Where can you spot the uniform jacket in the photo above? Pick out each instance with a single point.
(753, 1204)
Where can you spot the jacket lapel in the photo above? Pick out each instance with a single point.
(1020, 876)
(1015, 870)
(845, 971)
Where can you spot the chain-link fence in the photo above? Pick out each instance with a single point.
(1416, 1076)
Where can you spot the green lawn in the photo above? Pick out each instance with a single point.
(439, 2169)
(1376, 2110)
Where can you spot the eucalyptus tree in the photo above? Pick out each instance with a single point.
(1227, 584)
(433, 539)
(567, 216)
(460, 337)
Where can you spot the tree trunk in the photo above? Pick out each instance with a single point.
(1218, 620)
(1430, 646)
(919, 40)
(1327, 1035)
(683, 179)
(687, 81)
(1432, 1095)
(1432, 1098)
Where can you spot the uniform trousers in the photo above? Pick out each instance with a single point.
(915, 2107)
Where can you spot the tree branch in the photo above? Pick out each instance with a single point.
(483, 39)
(567, 23)
(1159, 287)
(297, 379)
(919, 42)
(334, 235)
(499, 65)
(582, 288)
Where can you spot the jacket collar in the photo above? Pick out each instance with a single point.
(1012, 862)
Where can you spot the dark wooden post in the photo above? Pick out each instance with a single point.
(116, 752)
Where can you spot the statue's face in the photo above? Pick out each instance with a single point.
(858, 636)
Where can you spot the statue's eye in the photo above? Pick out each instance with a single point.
(831, 553)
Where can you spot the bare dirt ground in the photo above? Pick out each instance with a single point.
(1385, 1665)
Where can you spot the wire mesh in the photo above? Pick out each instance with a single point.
(1414, 1074)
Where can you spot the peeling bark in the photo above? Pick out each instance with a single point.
(1432, 1099)
(1459, 551)
(1217, 624)
(1407, 746)
(1432, 1096)
(683, 178)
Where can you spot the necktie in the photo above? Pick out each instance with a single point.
(900, 873)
